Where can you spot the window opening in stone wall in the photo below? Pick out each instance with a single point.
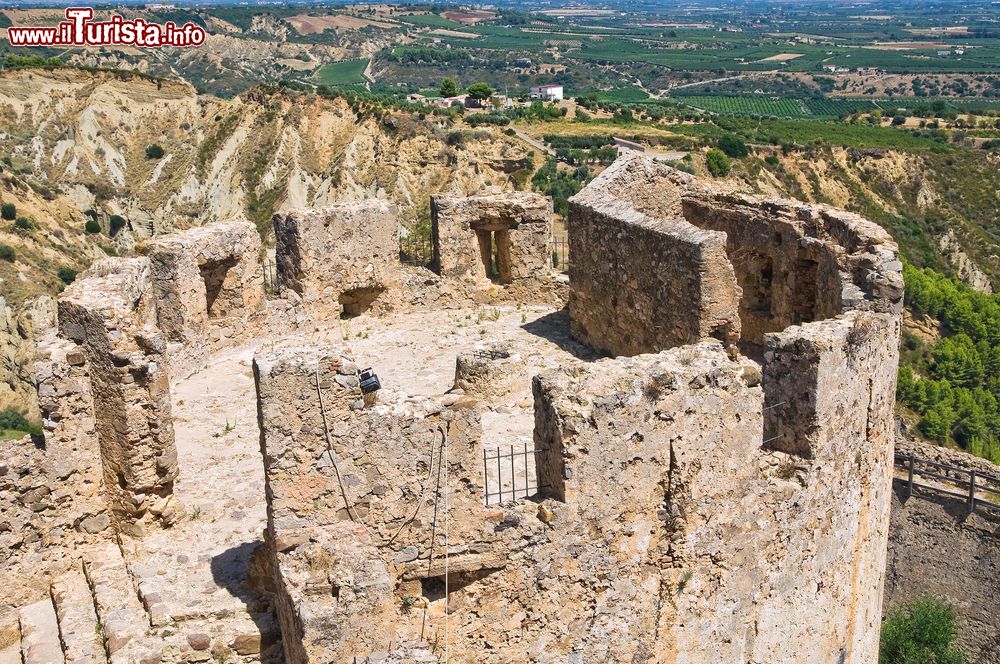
(805, 293)
(214, 273)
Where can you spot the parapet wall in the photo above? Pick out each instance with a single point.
(493, 236)
(740, 553)
(353, 498)
(622, 300)
(338, 259)
(660, 260)
(110, 313)
(207, 280)
(664, 530)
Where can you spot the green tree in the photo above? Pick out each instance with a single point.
(449, 88)
(154, 151)
(480, 91)
(92, 226)
(922, 632)
(717, 163)
(7, 253)
(938, 421)
(8, 211)
(733, 146)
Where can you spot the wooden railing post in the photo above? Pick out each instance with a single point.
(972, 490)
(909, 482)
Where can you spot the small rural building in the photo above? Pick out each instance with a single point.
(547, 92)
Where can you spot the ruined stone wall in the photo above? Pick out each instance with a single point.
(795, 263)
(507, 232)
(936, 547)
(351, 504)
(622, 300)
(54, 499)
(109, 313)
(803, 538)
(207, 282)
(340, 258)
(660, 260)
(713, 548)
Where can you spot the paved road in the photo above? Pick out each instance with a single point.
(535, 143)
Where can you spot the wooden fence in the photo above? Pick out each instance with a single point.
(974, 488)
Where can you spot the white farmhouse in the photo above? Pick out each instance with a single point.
(547, 92)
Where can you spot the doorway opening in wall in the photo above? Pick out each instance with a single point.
(214, 274)
(494, 249)
(758, 286)
(357, 301)
(806, 294)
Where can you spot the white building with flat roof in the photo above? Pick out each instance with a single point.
(547, 92)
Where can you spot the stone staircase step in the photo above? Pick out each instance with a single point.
(10, 637)
(40, 634)
(78, 626)
(124, 623)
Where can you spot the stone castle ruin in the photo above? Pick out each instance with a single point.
(692, 463)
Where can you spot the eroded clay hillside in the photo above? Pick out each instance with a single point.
(86, 137)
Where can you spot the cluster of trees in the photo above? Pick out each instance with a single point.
(422, 55)
(491, 119)
(26, 61)
(954, 384)
(560, 184)
(581, 150)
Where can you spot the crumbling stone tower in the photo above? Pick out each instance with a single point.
(716, 491)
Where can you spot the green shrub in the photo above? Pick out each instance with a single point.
(7, 253)
(717, 163)
(67, 275)
(11, 418)
(154, 151)
(26, 224)
(494, 119)
(92, 226)
(8, 211)
(772, 160)
(922, 632)
(733, 146)
(117, 222)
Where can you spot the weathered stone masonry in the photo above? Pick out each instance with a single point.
(112, 316)
(338, 259)
(207, 280)
(696, 505)
(506, 231)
